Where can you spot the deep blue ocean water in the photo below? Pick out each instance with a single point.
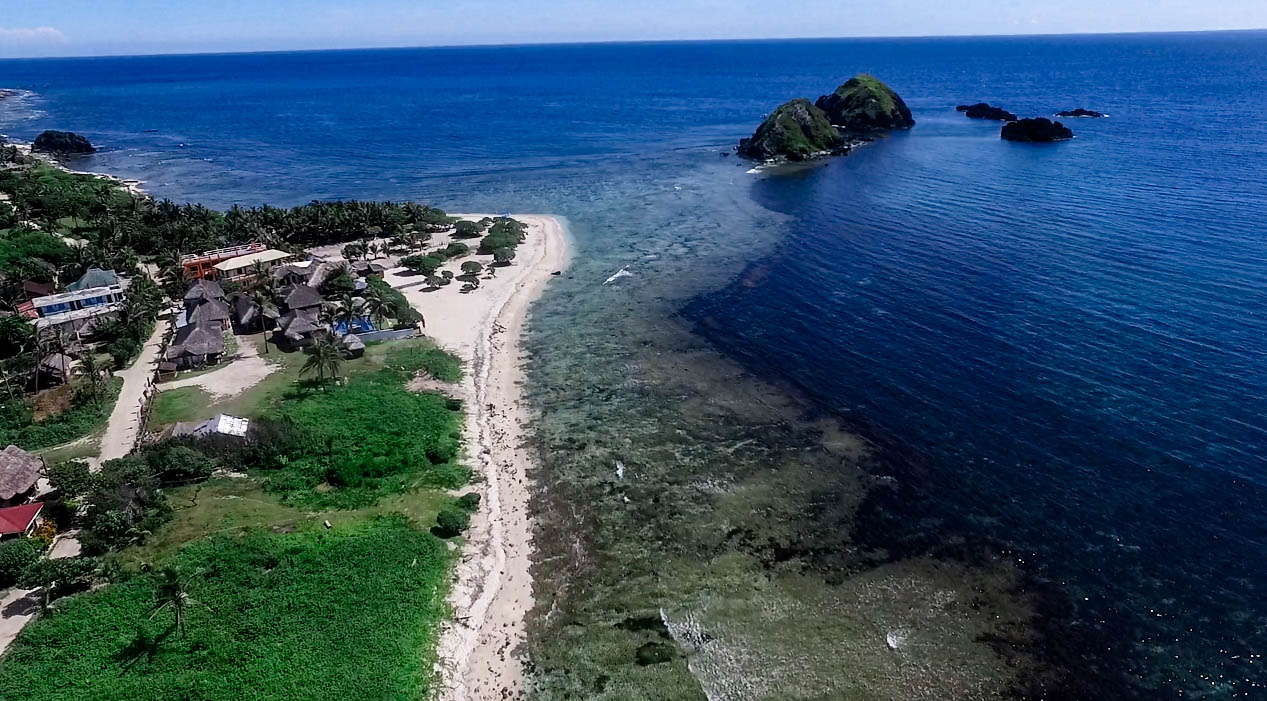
(1062, 348)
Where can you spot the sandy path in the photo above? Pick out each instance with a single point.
(232, 379)
(492, 593)
(125, 420)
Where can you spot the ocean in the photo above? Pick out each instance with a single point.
(1057, 353)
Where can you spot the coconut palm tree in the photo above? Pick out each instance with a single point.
(374, 305)
(173, 595)
(262, 299)
(323, 357)
(95, 376)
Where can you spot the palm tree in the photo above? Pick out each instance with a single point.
(95, 375)
(172, 594)
(262, 299)
(375, 304)
(323, 357)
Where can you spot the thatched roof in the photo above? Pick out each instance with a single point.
(203, 289)
(57, 364)
(209, 311)
(302, 297)
(19, 470)
(196, 339)
(351, 342)
(297, 322)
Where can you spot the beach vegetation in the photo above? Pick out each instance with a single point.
(466, 229)
(452, 522)
(457, 249)
(472, 267)
(469, 501)
(504, 256)
(15, 556)
(351, 612)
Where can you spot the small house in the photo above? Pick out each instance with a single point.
(209, 312)
(196, 345)
(19, 473)
(18, 521)
(57, 367)
(218, 425)
(302, 297)
(201, 290)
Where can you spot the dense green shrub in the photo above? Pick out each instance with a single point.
(71, 478)
(452, 522)
(15, 556)
(172, 463)
(469, 501)
(83, 417)
(468, 229)
(344, 614)
(60, 577)
(397, 307)
(456, 249)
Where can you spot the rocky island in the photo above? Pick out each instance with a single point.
(1039, 129)
(983, 110)
(799, 131)
(62, 142)
(1082, 113)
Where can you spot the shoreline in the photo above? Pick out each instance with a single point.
(491, 593)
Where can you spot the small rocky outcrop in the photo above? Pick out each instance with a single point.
(983, 110)
(62, 142)
(796, 131)
(1039, 129)
(863, 105)
(1082, 114)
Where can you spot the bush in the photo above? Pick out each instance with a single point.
(469, 501)
(503, 256)
(452, 522)
(71, 478)
(15, 557)
(472, 267)
(423, 265)
(456, 249)
(178, 464)
(59, 577)
(468, 230)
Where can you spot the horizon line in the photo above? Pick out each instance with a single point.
(630, 42)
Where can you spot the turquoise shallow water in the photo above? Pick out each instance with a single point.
(1061, 351)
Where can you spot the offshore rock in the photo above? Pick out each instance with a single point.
(796, 131)
(863, 105)
(1040, 129)
(982, 110)
(66, 142)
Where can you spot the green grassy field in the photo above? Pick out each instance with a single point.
(283, 607)
(350, 612)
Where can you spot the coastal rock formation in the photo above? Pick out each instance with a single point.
(797, 131)
(1039, 129)
(1088, 114)
(982, 110)
(65, 142)
(864, 104)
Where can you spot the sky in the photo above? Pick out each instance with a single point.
(33, 28)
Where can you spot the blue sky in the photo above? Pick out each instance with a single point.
(96, 27)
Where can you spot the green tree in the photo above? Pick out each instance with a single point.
(452, 522)
(172, 595)
(503, 256)
(472, 267)
(323, 357)
(71, 478)
(59, 577)
(15, 557)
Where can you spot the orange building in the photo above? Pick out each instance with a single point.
(203, 265)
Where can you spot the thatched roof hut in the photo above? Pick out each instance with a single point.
(196, 340)
(209, 312)
(302, 297)
(19, 471)
(199, 290)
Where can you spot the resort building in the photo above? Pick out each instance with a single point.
(18, 521)
(77, 309)
(203, 265)
(194, 346)
(246, 267)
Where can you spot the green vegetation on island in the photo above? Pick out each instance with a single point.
(799, 131)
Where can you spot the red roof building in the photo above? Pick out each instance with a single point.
(17, 520)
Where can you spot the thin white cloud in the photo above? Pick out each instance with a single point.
(12, 37)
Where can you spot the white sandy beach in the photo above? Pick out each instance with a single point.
(492, 592)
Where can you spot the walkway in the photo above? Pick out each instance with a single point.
(125, 420)
(234, 377)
